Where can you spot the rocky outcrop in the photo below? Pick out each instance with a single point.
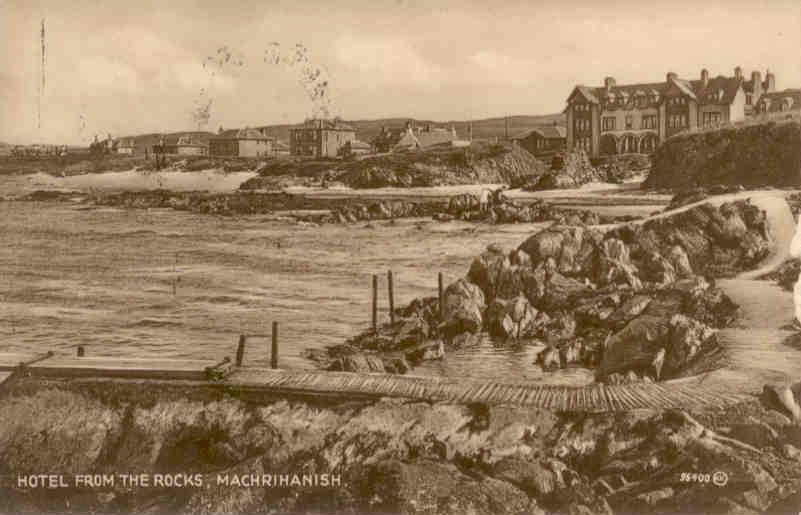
(478, 164)
(755, 155)
(628, 301)
(568, 170)
(388, 456)
(717, 242)
(463, 308)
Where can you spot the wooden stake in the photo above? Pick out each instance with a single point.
(274, 356)
(391, 293)
(441, 296)
(81, 351)
(375, 304)
(175, 276)
(240, 350)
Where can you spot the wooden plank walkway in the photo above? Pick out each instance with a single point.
(133, 368)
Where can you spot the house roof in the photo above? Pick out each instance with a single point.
(655, 91)
(185, 141)
(546, 131)
(719, 90)
(240, 134)
(280, 145)
(775, 99)
(435, 137)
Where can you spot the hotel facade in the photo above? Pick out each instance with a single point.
(635, 118)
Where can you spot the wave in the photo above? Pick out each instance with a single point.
(155, 323)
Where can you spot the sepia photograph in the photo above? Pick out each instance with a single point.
(400, 257)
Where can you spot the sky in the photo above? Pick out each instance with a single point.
(130, 67)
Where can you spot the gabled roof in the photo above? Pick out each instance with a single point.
(775, 99)
(654, 92)
(719, 90)
(586, 92)
(546, 131)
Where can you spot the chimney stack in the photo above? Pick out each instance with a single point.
(220, 130)
(738, 73)
(770, 80)
(705, 76)
(609, 83)
(756, 83)
(671, 76)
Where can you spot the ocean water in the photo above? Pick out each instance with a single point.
(171, 284)
(147, 283)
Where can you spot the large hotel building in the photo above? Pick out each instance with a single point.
(620, 119)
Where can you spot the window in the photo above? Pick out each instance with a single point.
(711, 119)
(649, 121)
(582, 125)
(629, 121)
(748, 99)
(609, 123)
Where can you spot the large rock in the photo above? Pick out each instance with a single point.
(463, 305)
(358, 363)
(615, 266)
(427, 351)
(499, 275)
(571, 247)
(561, 292)
(688, 338)
(464, 203)
(514, 319)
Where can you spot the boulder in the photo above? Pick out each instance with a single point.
(485, 270)
(464, 203)
(615, 266)
(463, 305)
(657, 269)
(629, 310)
(513, 319)
(358, 363)
(410, 331)
(571, 247)
(636, 345)
(570, 352)
(548, 358)
(427, 351)
(680, 261)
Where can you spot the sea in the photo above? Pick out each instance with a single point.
(174, 284)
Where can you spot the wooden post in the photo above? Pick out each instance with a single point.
(441, 296)
(175, 276)
(375, 304)
(81, 351)
(240, 350)
(274, 355)
(391, 293)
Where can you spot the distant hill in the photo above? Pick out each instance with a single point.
(482, 129)
(367, 129)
